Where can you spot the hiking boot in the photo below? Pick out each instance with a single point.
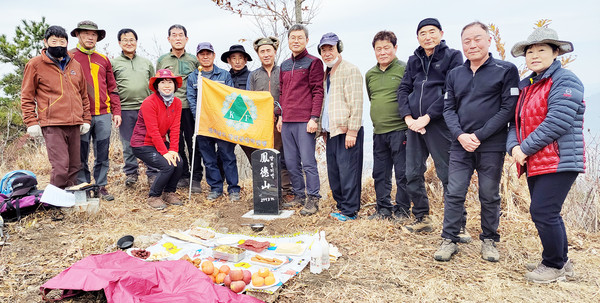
(105, 195)
(464, 235)
(131, 179)
(171, 198)
(568, 267)
(422, 224)
(234, 196)
(196, 186)
(156, 202)
(311, 207)
(446, 251)
(381, 214)
(295, 202)
(183, 183)
(213, 195)
(341, 217)
(545, 274)
(489, 252)
(401, 217)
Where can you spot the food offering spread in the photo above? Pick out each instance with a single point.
(238, 261)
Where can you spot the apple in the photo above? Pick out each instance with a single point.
(236, 275)
(237, 286)
(227, 280)
(247, 276)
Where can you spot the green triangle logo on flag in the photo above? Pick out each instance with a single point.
(239, 111)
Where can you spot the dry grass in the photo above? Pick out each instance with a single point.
(381, 262)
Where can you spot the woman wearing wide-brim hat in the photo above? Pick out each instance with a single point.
(159, 116)
(546, 141)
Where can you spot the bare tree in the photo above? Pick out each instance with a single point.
(273, 17)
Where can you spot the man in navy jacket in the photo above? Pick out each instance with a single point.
(421, 103)
(480, 100)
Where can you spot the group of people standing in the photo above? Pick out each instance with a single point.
(434, 105)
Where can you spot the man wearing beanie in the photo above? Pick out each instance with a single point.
(421, 104)
(341, 125)
(266, 78)
(104, 103)
(60, 123)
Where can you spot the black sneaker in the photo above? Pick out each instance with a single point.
(311, 207)
(183, 183)
(381, 214)
(295, 202)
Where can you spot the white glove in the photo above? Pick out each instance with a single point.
(84, 128)
(35, 131)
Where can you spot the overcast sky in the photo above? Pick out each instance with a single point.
(355, 21)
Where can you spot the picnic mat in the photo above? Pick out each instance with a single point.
(294, 263)
(127, 279)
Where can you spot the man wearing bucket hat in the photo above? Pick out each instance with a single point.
(61, 123)
(160, 114)
(266, 78)
(421, 103)
(546, 141)
(237, 57)
(341, 126)
(104, 103)
(182, 63)
(225, 151)
(479, 102)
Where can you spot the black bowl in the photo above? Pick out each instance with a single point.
(125, 242)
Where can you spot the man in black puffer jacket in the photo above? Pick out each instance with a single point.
(420, 102)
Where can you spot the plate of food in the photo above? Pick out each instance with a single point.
(274, 282)
(267, 261)
(202, 233)
(139, 253)
(290, 249)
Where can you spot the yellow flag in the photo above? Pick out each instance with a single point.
(235, 115)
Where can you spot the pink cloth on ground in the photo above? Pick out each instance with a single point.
(128, 279)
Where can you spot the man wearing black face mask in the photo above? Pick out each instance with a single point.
(51, 76)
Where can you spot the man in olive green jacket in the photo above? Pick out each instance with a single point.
(132, 74)
(182, 64)
(389, 139)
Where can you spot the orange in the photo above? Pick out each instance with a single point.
(258, 281)
(224, 269)
(208, 267)
(270, 280)
(220, 277)
(212, 278)
(263, 272)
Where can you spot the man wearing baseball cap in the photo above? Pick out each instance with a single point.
(104, 103)
(237, 57)
(205, 53)
(182, 63)
(421, 104)
(341, 124)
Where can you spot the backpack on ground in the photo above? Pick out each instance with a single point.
(9, 178)
(24, 198)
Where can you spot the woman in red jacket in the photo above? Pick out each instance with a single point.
(159, 116)
(546, 141)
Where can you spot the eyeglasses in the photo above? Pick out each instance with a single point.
(132, 41)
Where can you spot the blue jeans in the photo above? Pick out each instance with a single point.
(548, 193)
(226, 151)
(100, 135)
(344, 168)
(300, 160)
(489, 171)
(168, 175)
(389, 152)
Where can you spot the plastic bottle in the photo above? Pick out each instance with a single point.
(316, 256)
(325, 251)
